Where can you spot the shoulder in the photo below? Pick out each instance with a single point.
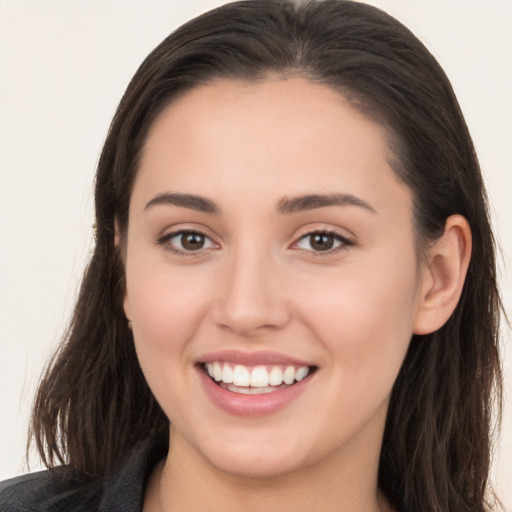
(13, 492)
(55, 490)
(45, 491)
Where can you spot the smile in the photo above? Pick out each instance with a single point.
(257, 379)
(254, 384)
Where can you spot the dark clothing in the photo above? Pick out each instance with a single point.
(53, 491)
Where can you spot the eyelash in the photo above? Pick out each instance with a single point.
(343, 241)
(165, 241)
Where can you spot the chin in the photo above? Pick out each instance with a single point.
(252, 457)
(256, 466)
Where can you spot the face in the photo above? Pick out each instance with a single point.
(271, 276)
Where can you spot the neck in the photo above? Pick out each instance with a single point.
(186, 482)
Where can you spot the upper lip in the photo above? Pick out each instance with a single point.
(252, 358)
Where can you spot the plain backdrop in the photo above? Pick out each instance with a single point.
(63, 68)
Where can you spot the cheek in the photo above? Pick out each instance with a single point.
(364, 317)
(166, 309)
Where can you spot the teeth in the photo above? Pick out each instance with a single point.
(259, 378)
(227, 374)
(217, 372)
(275, 377)
(249, 391)
(289, 375)
(301, 373)
(241, 376)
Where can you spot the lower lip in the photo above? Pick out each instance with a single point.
(240, 404)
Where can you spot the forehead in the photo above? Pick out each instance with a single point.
(278, 136)
(276, 110)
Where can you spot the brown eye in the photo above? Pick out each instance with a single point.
(322, 241)
(181, 242)
(192, 241)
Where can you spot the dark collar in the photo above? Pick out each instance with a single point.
(124, 492)
(53, 491)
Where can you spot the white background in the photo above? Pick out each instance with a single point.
(63, 68)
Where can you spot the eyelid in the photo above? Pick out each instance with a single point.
(346, 240)
(341, 236)
(164, 240)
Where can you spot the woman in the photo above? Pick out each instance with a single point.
(294, 269)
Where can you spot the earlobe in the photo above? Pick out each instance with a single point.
(127, 310)
(443, 276)
(117, 236)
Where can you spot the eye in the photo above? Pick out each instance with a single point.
(181, 242)
(323, 241)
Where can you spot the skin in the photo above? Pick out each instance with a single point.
(259, 284)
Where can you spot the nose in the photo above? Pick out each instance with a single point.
(251, 296)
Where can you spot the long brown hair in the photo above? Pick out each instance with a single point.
(93, 404)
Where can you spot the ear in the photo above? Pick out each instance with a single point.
(443, 276)
(122, 254)
(127, 309)
(117, 236)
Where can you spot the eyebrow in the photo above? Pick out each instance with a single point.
(190, 201)
(287, 205)
(311, 202)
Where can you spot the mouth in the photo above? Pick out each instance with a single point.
(255, 380)
(254, 384)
